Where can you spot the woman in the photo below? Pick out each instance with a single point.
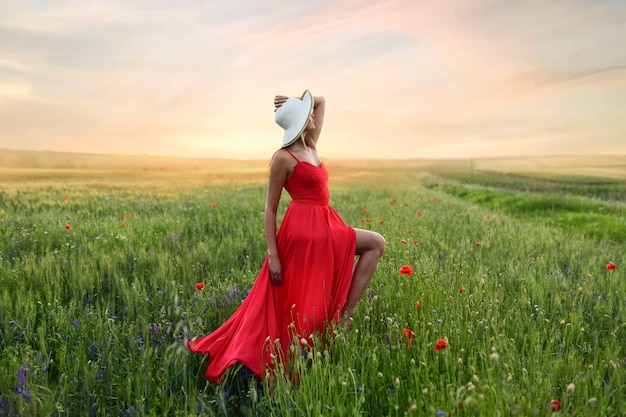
(308, 280)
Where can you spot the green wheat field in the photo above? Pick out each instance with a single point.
(501, 293)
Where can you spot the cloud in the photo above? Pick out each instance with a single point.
(195, 76)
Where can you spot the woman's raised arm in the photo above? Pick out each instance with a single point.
(319, 108)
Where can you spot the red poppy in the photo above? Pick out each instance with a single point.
(477, 242)
(68, 226)
(610, 266)
(415, 241)
(123, 225)
(406, 204)
(364, 210)
(441, 344)
(128, 216)
(488, 216)
(406, 270)
(362, 220)
(554, 405)
(410, 334)
(212, 205)
(65, 198)
(461, 289)
(122, 217)
(403, 241)
(417, 305)
(200, 285)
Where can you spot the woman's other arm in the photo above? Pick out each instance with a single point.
(277, 178)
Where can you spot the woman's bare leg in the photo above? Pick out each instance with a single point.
(369, 247)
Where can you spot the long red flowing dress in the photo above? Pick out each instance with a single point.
(316, 249)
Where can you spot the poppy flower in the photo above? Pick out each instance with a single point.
(418, 213)
(415, 241)
(410, 334)
(212, 205)
(123, 225)
(403, 241)
(381, 222)
(406, 204)
(554, 405)
(488, 216)
(200, 286)
(122, 217)
(406, 270)
(461, 289)
(610, 266)
(65, 198)
(477, 242)
(441, 344)
(417, 305)
(68, 226)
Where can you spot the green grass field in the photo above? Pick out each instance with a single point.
(99, 267)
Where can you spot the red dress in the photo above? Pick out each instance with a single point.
(316, 249)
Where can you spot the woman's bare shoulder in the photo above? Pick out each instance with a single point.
(280, 157)
(282, 160)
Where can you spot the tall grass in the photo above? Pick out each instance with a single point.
(98, 296)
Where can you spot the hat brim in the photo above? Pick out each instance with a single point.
(301, 120)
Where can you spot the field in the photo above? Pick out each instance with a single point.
(509, 261)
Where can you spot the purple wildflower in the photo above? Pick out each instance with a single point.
(22, 373)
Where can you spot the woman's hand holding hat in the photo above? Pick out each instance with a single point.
(279, 100)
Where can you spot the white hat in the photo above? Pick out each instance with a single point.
(293, 116)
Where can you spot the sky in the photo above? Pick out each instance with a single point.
(401, 78)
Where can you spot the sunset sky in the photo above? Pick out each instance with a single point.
(402, 79)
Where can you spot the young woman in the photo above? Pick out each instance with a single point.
(308, 280)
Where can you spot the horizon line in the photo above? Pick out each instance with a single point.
(493, 157)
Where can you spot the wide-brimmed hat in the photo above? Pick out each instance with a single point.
(293, 116)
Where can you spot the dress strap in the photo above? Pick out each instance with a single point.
(294, 157)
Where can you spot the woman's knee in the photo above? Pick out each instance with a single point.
(368, 240)
(380, 244)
